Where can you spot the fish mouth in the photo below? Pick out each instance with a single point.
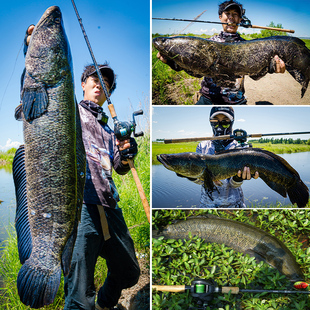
(52, 12)
(158, 41)
(162, 158)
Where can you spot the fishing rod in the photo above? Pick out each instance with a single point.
(238, 134)
(246, 23)
(122, 130)
(205, 290)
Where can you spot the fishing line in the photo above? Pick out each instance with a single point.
(11, 75)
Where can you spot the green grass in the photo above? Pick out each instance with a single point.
(133, 213)
(6, 158)
(177, 262)
(283, 148)
(161, 148)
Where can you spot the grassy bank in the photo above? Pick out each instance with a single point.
(161, 148)
(133, 213)
(177, 262)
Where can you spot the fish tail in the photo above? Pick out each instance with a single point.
(299, 194)
(36, 286)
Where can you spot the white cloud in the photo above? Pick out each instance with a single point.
(155, 122)
(240, 120)
(9, 144)
(182, 130)
(211, 31)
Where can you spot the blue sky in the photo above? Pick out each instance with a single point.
(193, 121)
(119, 32)
(291, 14)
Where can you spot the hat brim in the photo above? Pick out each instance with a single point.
(108, 72)
(230, 6)
(223, 113)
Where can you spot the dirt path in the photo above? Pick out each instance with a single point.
(275, 89)
(138, 296)
(272, 89)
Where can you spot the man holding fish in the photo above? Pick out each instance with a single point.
(228, 192)
(229, 92)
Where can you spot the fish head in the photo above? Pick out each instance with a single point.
(190, 165)
(185, 51)
(48, 56)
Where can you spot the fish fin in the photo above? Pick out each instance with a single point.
(299, 194)
(280, 189)
(34, 102)
(68, 250)
(37, 286)
(208, 182)
(299, 77)
(81, 167)
(18, 113)
(81, 164)
(254, 254)
(22, 226)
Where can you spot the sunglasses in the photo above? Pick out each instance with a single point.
(216, 123)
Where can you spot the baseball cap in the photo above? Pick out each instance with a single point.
(236, 6)
(105, 71)
(227, 111)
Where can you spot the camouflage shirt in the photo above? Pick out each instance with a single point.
(229, 194)
(102, 155)
(227, 94)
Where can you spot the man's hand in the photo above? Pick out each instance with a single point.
(161, 57)
(246, 174)
(280, 65)
(128, 149)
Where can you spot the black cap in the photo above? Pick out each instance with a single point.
(227, 111)
(105, 71)
(238, 7)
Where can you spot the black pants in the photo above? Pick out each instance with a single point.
(118, 251)
(219, 101)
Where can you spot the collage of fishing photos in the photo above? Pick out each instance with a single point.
(230, 159)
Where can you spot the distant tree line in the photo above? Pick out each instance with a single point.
(283, 141)
(268, 33)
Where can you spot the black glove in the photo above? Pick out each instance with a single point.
(236, 178)
(131, 152)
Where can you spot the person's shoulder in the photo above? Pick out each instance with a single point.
(204, 146)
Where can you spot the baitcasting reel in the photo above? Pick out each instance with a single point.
(123, 130)
(241, 136)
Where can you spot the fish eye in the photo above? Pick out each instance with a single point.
(57, 20)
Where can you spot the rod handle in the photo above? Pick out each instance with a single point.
(170, 288)
(112, 111)
(144, 201)
(271, 28)
(256, 135)
(227, 289)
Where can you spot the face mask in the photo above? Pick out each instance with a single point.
(221, 128)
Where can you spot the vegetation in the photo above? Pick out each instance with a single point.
(133, 213)
(178, 262)
(173, 88)
(6, 158)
